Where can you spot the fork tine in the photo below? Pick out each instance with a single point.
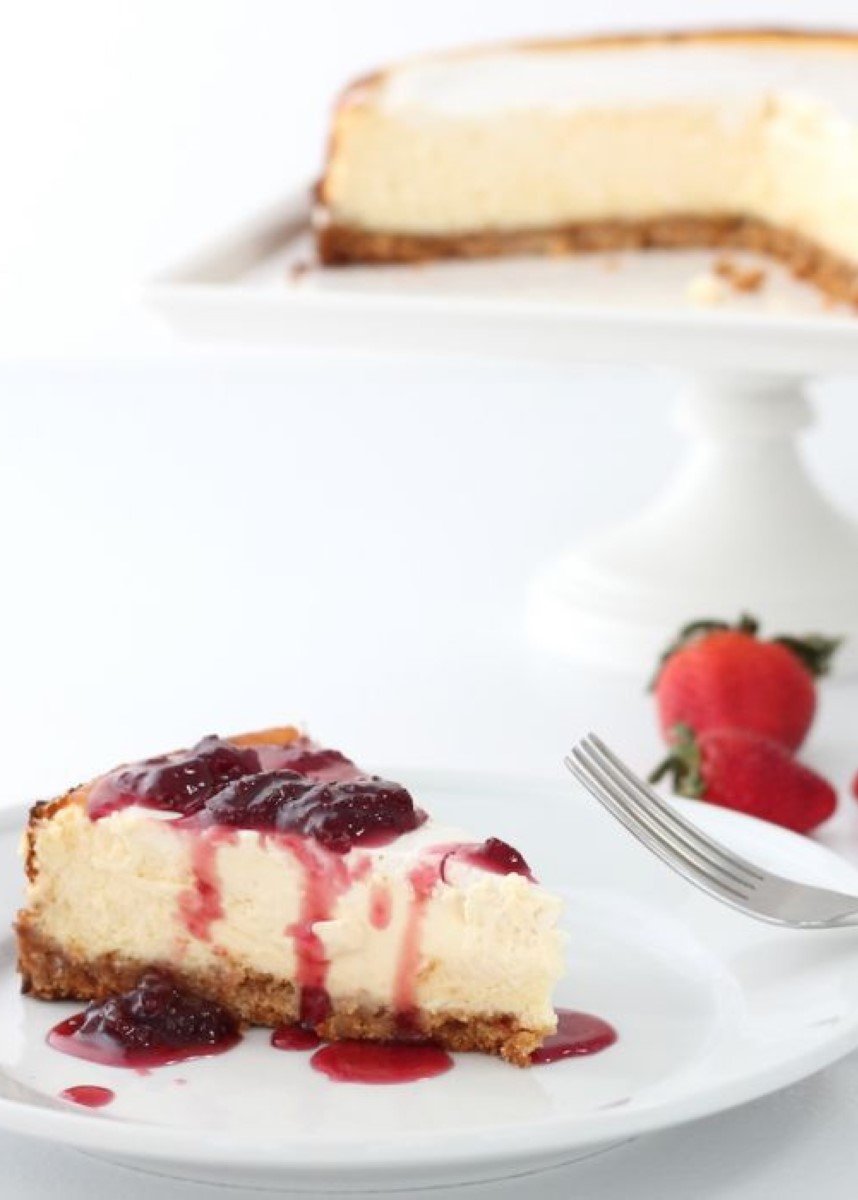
(661, 816)
(682, 845)
(729, 860)
(604, 789)
(713, 871)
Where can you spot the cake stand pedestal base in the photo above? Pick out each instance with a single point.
(741, 527)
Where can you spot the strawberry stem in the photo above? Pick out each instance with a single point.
(747, 624)
(814, 651)
(682, 764)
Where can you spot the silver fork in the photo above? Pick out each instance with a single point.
(702, 860)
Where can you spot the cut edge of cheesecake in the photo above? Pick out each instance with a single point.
(342, 242)
(60, 969)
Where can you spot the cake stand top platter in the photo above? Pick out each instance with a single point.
(260, 287)
(754, 530)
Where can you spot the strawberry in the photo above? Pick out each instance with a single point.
(752, 774)
(720, 676)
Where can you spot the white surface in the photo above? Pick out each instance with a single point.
(712, 1010)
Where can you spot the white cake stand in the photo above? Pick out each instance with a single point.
(740, 526)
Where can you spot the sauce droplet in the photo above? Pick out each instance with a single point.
(294, 1037)
(577, 1034)
(380, 906)
(202, 904)
(422, 878)
(380, 1062)
(325, 879)
(88, 1095)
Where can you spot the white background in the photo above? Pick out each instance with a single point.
(195, 541)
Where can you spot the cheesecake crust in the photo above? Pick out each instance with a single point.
(51, 972)
(342, 245)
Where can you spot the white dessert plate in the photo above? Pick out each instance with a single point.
(712, 1010)
(261, 287)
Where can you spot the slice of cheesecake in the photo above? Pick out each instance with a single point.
(735, 138)
(274, 877)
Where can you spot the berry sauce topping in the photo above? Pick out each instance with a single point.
(380, 906)
(491, 855)
(178, 783)
(153, 1024)
(380, 1062)
(294, 1037)
(326, 878)
(88, 1095)
(296, 788)
(422, 879)
(577, 1034)
(499, 857)
(339, 814)
(305, 757)
(201, 904)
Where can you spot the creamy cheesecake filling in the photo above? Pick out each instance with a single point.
(134, 884)
(544, 139)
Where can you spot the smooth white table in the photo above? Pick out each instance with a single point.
(435, 643)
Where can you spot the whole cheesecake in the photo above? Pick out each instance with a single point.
(729, 139)
(275, 878)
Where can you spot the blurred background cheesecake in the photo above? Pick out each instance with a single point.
(735, 139)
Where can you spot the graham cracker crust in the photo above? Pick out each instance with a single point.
(342, 245)
(49, 972)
